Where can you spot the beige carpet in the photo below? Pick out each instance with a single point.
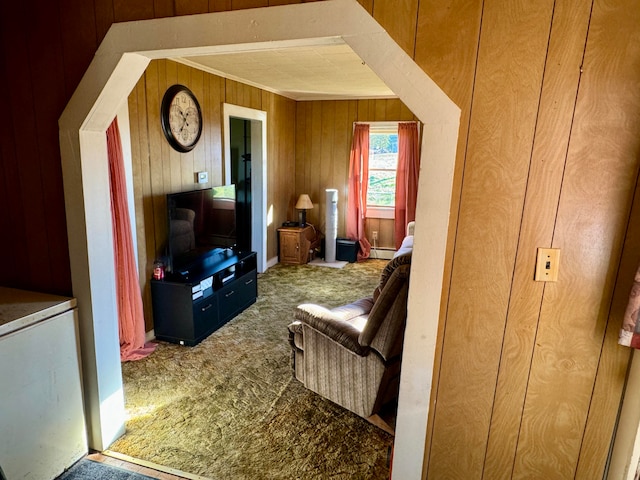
(229, 407)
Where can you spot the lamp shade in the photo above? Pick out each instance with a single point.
(304, 202)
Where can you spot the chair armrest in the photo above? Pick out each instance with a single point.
(331, 325)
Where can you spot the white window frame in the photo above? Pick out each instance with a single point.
(376, 211)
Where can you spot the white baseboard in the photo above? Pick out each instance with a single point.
(150, 335)
(271, 262)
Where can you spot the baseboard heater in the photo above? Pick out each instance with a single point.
(382, 253)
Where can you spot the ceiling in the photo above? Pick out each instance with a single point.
(315, 72)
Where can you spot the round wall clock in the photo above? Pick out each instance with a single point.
(181, 118)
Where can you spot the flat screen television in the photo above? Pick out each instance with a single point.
(200, 221)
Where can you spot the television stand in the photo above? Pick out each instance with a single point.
(191, 305)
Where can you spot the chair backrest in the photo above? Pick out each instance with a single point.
(384, 331)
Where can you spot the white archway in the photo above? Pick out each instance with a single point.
(118, 64)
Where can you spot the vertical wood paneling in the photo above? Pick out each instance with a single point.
(104, 17)
(48, 95)
(243, 95)
(301, 151)
(255, 95)
(290, 146)
(241, 4)
(140, 171)
(12, 219)
(273, 172)
(230, 91)
(512, 52)
(573, 334)
(281, 114)
(191, 7)
(125, 11)
(399, 18)
(79, 40)
(209, 84)
(151, 156)
(274, 3)
(380, 111)
(325, 169)
(219, 5)
(214, 90)
(163, 8)
(363, 111)
(446, 48)
(393, 109)
(367, 5)
(20, 104)
(312, 169)
(159, 149)
(557, 101)
(343, 122)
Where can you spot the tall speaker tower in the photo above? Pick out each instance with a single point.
(331, 233)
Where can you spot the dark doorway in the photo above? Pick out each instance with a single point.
(240, 143)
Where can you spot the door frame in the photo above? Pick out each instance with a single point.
(258, 119)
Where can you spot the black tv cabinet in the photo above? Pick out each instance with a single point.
(192, 303)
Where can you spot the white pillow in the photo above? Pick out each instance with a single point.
(406, 247)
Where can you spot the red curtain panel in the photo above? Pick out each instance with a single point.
(129, 298)
(406, 178)
(357, 196)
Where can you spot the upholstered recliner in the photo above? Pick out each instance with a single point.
(351, 354)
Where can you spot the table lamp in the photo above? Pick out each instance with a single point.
(303, 204)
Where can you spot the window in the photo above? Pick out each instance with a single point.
(383, 163)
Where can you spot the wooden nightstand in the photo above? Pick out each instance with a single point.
(296, 243)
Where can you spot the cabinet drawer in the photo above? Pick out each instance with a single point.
(237, 295)
(204, 316)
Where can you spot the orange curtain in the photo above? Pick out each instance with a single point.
(130, 313)
(406, 178)
(357, 196)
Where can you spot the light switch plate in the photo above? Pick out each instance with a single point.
(202, 177)
(547, 265)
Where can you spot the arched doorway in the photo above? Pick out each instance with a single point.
(116, 67)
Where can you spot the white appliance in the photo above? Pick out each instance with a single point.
(42, 427)
(331, 233)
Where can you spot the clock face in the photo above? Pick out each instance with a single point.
(181, 118)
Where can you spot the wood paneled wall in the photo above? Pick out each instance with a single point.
(528, 376)
(158, 169)
(324, 131)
